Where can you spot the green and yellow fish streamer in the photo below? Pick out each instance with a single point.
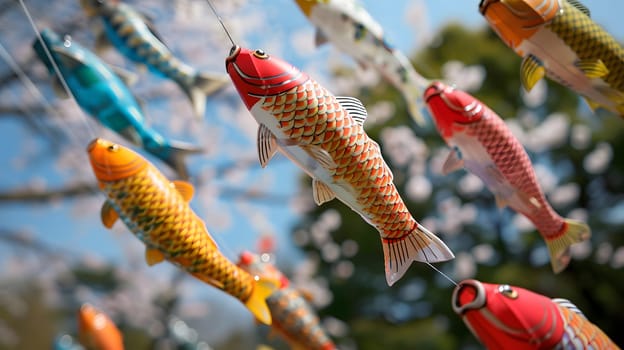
(156, 210)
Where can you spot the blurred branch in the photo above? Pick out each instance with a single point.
(24, 239)
(34, 195)
(11, 111)
(87, 189)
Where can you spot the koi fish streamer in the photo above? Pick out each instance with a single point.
(156, 210)
(134, 35)
(348, 26)
(558, 39)
(103, 95)
(506, 317)
(324, 135)
(482, 143)
(292, 316)
(96, 331)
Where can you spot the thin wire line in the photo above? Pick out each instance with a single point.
(33, 90)
(443, 274)
(220, 21)
(54, 65)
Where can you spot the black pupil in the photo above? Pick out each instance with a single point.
(260, 52)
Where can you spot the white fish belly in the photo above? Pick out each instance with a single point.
(559, 60)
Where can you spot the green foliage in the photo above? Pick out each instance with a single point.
(405, 316)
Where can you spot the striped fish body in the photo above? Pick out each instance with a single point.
(323, 135)
(482, 143)
(557, 38)
(135, 37)
(508, 317)
(348, 26)
(156, 210)
(295, 320)
(129, 32)
(292, 315)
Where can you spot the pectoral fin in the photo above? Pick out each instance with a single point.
(108, 214)
(153, 256)
(185, 189)
(319, 38)
(356, 109)
(531, 71)
(321, 156)
(267, 145)
(322, 193)
(453, 162)
(592, 68)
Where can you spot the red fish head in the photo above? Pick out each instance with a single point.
(97, 331)
(506, 317)
(260, 265)
(451, 108)
(256, 74)
(112, 162)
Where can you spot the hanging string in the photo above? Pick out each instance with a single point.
(220, 21)
(54, 65)
(35, 92)
(443, 274)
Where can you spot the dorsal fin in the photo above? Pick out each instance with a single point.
(580, 7)
(185, 189)
(356, 109)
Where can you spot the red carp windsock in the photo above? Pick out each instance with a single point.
(323, 134)
(157, 211)
(293, 317)
(505, 317)
(482, 143)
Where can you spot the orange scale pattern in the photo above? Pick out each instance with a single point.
(319, 120)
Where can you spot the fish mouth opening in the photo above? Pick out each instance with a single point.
(468, 295)
(92, 144)
(483, 5)
(234, 51)
(434, 89)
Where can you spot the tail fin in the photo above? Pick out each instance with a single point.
(256, 303)
(414, 103)
(204, 84)
(559, 248)
(414, 97)
(420, 245)
(174, 155)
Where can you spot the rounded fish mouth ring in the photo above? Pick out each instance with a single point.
(234, 51)
(476, 303)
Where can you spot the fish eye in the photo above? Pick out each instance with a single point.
(260, 54)
(113, 148)
(507, 291)
(67, 40)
